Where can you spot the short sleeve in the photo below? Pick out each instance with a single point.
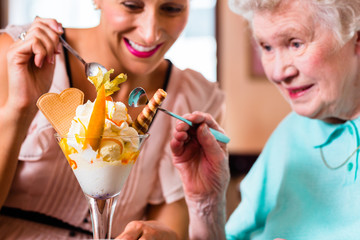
(168, 185)
(245, 218)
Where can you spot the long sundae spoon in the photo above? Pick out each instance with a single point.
(138, 98)
(92, 68)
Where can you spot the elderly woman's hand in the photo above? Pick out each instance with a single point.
(203, 166)
(147, 230)
(200, 159)
(31, 63)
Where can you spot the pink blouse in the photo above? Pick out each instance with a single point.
(44, 182)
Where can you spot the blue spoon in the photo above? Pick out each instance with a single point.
(138, 97)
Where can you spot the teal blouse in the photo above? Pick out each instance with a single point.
(292, 192)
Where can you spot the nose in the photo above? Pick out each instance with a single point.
(283, 68)
(150, 27)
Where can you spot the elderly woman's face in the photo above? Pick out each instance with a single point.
(319, 79)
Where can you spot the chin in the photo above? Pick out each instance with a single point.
(306, 111)
(140, 68)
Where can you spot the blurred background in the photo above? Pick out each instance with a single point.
(217, 43)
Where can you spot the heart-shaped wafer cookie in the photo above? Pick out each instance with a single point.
(60, 109)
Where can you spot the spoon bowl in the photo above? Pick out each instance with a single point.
(137, 97)
(92, 68)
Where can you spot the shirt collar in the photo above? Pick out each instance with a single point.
(325, 132)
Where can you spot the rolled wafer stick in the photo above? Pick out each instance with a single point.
(144, 119)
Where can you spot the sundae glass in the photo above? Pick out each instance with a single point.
(98, 141)
(102, 173)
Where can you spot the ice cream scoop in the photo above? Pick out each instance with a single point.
(138, 97)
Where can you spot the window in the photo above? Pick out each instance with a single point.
(195, 49)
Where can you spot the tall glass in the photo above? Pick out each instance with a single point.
(102, 173)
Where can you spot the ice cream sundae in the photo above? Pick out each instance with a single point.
(101, 146)
(98, 141)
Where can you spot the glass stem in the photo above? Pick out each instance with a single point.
(101, 211)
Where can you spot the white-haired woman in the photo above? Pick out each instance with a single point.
(306, 183)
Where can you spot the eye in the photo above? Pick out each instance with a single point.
(266, 47)
(295, 43)
(133, 5)
(172, 9)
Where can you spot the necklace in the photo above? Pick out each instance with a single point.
(342, 164)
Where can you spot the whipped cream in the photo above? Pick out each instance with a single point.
(102, 173)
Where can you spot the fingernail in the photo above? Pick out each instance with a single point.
(58, 49)
(50, 59)
(41, 63)
(60, 29)
(205, 130)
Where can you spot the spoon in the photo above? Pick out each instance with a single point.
(138, 98)
(92, 68)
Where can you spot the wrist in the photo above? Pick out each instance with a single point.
(207, 217)
(20, 119)
(15, 113)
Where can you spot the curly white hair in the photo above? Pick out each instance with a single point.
(343, 17)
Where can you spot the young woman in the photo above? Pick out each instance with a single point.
(38, 192)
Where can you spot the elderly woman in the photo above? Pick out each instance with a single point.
(306, 183)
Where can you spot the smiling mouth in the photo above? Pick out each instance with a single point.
(139, 50)
(298, 92)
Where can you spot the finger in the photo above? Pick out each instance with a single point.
(207, 118)
(208, 141)
(181, 126)
(149, 234)
(181, 136)
(43, 48)
(177, 146)
(48, 38)
(200, 117)
(195, 117)
(51, 23)
(133, 231)
(21, 52)
(54, 38)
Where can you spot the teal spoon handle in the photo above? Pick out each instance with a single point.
(218, 135)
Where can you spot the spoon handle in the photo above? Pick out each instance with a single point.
(68, 47)
(218, 135)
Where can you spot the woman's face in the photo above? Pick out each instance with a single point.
(140, 32)
(319, 79)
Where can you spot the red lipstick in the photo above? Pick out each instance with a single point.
(140, 54)
(297, 92)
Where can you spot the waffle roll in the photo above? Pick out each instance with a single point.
(143, 120)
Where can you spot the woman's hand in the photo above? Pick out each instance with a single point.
(31, 63)
(26, 70)
(200, 159)
(203, 166)
(147, 230)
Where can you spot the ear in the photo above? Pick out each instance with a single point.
(97, 4)
(357, 42)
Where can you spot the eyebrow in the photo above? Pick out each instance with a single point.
(286, 33)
